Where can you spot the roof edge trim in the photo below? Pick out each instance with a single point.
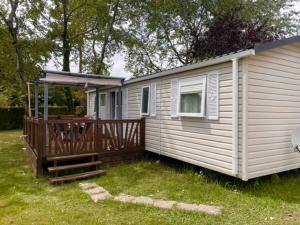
(205, 63)
(275, 44)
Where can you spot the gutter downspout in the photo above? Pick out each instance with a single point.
(235, 115)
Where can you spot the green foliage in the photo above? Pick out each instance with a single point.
(80, 110)
(175, 32)
(275, 178)
(12, 118)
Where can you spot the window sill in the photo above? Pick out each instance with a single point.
(197, 115)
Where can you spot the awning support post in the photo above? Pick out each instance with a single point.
(97, 103)
(36, 101)
(45, 102)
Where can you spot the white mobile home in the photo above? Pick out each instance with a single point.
(233, 114)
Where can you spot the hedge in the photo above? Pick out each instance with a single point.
(12, 118)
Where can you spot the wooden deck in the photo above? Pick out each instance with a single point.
(112, 140)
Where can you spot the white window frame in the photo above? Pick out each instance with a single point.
(100, 99)
(202, 88)
(141, 107)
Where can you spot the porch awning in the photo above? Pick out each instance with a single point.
(78, 79)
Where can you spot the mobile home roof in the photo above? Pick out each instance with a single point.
(220, 59)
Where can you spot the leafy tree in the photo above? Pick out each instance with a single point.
(66, 21)
(178, 32)
(238, 25)
(22, 50)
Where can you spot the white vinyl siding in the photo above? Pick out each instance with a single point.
(273, 110)
(199, 141)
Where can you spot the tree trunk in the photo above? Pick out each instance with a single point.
(80, 58)
(66, 56)
(101, 65)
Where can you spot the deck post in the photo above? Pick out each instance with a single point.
(119, 103)
(36, 101)
(45, 102)
(97, 103)
(46, 118)
(142, 133)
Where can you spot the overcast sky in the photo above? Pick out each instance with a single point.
(118, 69)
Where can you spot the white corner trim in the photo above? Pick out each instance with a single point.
(245, 120)
(235, 115)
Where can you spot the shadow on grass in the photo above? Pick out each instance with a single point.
(282, 186)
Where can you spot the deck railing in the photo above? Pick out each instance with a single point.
(34, 131)
(57, 137)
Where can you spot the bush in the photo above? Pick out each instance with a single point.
(80, 110)
(12, 118)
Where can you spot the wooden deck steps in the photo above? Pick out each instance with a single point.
(83, 165)
(72, 177)
(69, 157)
(74, 166)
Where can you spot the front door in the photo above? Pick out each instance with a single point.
(115, 105)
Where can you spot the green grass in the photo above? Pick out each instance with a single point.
(26, 200)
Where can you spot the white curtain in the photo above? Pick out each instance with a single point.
(190, 103)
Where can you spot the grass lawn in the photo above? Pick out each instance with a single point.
(26, 200)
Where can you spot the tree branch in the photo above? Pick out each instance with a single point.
(172, 46)
(82, 33)
(75, 9)
(107, 35)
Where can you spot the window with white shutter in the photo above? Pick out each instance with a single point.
(153, 99)
(125, 103)
(174, 98)
(212, 108)
(191, 100)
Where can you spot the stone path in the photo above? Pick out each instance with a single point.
(98, 193)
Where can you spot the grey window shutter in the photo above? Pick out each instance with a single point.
(125, 103)
(212, 109)
(153, 99)
(174, 97)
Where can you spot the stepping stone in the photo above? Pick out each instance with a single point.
(96, 192)
(101, 196)
(86, 186)
(143, 200)
(164, 204)
(124, 198)
(199, 208)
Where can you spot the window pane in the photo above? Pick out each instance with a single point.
(145, 99)
(103, 99)
(95, 104)
(190, 103)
